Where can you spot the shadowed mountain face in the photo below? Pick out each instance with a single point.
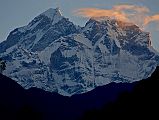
(119, 99)
(55, 55)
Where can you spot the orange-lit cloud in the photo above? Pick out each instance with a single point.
(94, 12)
(153, 18)
(129, 13)
(140, 9)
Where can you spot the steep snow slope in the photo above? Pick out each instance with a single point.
(53, 54)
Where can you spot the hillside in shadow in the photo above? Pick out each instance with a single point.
(119, 99)
(142, 102)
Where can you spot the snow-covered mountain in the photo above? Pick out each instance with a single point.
(53, 54)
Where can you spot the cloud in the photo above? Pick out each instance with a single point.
(94, 12)
(153, 18)
(138, 15)
(140, 9)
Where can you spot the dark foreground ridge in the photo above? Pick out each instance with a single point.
(120, 99)
(142, 102)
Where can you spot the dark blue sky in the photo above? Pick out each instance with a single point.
(16, 13)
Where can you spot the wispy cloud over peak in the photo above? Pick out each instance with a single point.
(138, 15)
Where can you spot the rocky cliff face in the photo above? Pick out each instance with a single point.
(53, 54)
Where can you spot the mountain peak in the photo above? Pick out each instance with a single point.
(111, 19)
(102, 18)
(109, 22)
(51, 53)
(51, 13)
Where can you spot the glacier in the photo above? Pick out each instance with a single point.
(54, 54)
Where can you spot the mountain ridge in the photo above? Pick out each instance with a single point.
(141, 102)
(16, 102)
(55, 55)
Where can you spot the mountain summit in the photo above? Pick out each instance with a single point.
(54, 14)
(54, 54)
